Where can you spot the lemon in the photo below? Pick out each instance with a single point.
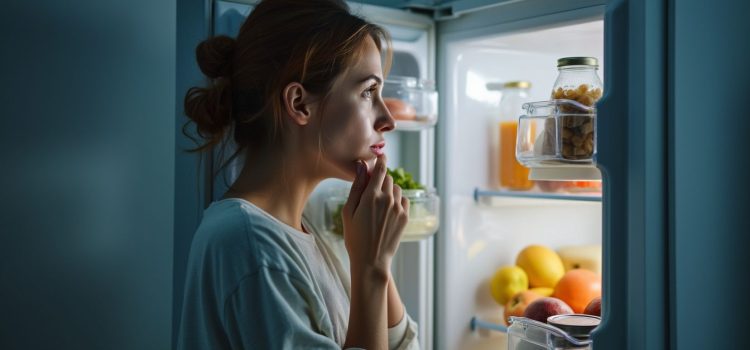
(542, 265)
(507, 282)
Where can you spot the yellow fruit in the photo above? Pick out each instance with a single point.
(542, 265)
(507, 282)
(543, 291)
(587, 257)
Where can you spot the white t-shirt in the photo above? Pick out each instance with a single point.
(254, 282)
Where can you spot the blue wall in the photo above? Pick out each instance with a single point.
(87, 176)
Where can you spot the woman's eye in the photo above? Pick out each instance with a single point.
(369, 92)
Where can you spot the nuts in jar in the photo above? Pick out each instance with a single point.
(576, 131)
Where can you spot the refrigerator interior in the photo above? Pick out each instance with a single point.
(477, 238)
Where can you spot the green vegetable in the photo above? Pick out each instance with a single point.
(404, 179)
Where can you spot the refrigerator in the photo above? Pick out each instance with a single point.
(464, 45)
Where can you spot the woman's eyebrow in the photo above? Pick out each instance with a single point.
(371, 76)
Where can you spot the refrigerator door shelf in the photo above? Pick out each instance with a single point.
(557, 140)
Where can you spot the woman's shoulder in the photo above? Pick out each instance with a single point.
(235, 229)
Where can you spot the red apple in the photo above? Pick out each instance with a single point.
(542, 308)
(518, 303)
(594, 307)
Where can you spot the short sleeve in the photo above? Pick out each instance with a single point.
(271, 310)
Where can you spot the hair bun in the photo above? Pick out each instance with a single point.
(214, 56)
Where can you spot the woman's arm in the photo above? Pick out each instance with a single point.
(374, 217)
(395, 306)
(367, 313)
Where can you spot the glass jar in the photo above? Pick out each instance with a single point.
(511, 174)
(412, 102)
(577, 81)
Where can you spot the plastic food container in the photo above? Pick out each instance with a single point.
(557, 133)
(424, 214)
(411, 101)
(527, 334)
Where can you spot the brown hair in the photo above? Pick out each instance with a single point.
(281, 41)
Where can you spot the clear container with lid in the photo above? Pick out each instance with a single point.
(412, 102)
(527, 334)
(510, 173)
(424, 213)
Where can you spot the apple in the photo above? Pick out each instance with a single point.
(594, 307)
(518, 303)
(542, 308)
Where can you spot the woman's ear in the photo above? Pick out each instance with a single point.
(297, 103)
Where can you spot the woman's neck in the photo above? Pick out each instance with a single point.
(277, 184)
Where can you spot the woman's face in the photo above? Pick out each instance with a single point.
(355, 119)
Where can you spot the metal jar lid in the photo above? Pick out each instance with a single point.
(521, 84)
(577, 61)
(576, 325)
(518, 84)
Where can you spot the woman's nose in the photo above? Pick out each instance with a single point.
(385, 121)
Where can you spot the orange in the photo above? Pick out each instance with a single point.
(577, 288)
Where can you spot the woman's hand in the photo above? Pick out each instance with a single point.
(374, 218)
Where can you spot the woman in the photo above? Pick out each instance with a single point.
(298, 92)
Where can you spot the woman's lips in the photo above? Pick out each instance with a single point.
(378, 148)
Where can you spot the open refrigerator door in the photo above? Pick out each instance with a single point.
(486, 227)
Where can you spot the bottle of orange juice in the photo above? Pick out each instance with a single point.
(512, 175)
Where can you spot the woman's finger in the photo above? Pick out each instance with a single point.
(405, 203)
(397, 193)
(358, 187)
(378, 175)
(387, 187)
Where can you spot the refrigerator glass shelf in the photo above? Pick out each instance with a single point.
(499, 197)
